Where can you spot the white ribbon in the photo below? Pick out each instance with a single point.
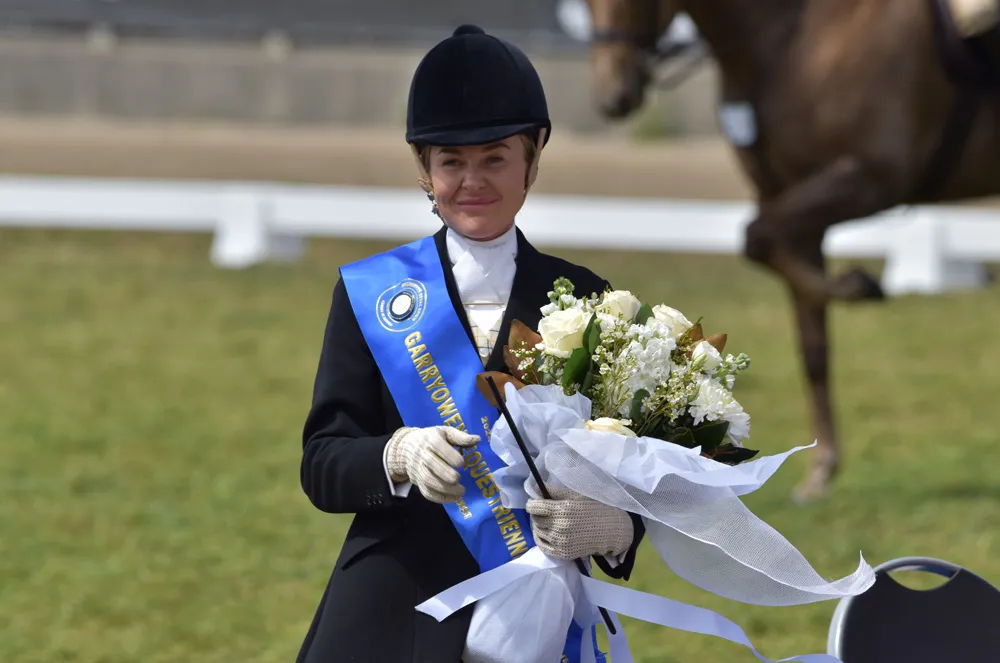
(468, 592)
(621, 600)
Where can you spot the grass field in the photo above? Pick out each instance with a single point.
(151, 407)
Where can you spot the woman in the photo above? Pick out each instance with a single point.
(395, 411)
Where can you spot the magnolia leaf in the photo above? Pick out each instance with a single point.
(576, 368)
(711, 434)
(522, 333)
(717, 341)
(592, 335)
(730, 454)
(635, 411)
(644, 314)
(501, 380)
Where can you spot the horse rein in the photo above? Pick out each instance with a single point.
(648, 43)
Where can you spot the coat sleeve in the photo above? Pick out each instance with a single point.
(344, 436)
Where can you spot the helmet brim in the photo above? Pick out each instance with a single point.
(472, 136)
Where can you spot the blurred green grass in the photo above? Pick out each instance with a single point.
(150, 416)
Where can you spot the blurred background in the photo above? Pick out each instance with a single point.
(151, 402)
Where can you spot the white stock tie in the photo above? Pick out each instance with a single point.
(484, 274)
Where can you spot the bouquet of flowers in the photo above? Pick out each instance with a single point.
(647, 371)
(630, 405)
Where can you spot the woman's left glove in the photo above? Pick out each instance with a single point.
(571, 526)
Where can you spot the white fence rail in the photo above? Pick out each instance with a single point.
(927, 249)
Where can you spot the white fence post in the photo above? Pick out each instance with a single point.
(244, 235)
(917, 258)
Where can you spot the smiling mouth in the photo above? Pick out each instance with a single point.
(475, 203)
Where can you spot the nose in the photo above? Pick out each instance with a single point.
(473, 180)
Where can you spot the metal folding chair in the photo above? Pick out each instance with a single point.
(957, 621)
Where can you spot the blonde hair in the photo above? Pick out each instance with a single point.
(529, 152)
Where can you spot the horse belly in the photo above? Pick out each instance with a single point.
(977, 173)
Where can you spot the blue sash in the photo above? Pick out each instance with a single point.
(401, 301)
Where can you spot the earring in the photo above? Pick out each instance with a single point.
(429, 190)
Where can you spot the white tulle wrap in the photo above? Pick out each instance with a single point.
(693, 516)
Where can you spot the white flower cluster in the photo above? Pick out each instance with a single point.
(649, 367)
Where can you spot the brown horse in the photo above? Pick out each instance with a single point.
(836, 110)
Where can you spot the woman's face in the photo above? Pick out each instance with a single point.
(479, 188)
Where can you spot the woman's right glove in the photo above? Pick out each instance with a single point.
(426, 458)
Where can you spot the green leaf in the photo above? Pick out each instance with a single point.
(576, 368)
(683, 437)
(644, 314)
(711, 434)
(654, 426)
(635, 410)
(592, 335)
(588, 381)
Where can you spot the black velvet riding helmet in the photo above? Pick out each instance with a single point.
(472, 89)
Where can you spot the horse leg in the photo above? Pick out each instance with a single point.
(787, 236)
(811, 319)
(790, 222)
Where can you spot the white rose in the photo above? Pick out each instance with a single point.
(562, 332)
(609, 425)
(710, 355)
(674, 319)
(621, 303)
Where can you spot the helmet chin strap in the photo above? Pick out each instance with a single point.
(425, 178)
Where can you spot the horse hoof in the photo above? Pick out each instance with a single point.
(808, 492)
(858, 285)
(815, 485)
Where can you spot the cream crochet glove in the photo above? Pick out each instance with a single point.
(423, 456)
(571, 526)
